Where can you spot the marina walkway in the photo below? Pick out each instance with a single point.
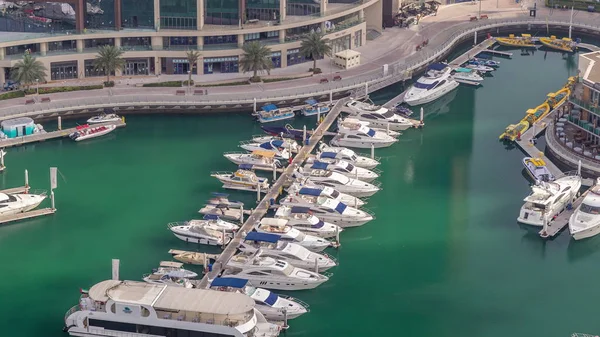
(556, 226)
(26, 215)
(40, 137)
(273, 193)
(484, 45)
(588, 46)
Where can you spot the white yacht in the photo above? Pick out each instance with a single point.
(19, 203)
(278, 147)
(303, 219)
(271, 245)
(310, 189)
(128, 308)
(242, 180)
(266, 272)
(548, 199)
(329, 209)
(343, 167)
(286, 143)
(338, 181)
(467, 75)
(436, 82)
(352, 133)
(212, 221)
(355, 107)
(379, 117)
(256, 158)
(174, 269)
(168, 280)
(329, 153)
(291, 234)
(585, 221)
(203, 234)
(274, 306)
(104, 118)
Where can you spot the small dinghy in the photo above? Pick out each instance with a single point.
(537, 170)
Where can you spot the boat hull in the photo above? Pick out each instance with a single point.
(284, 285)
(585, 233)
(508, 42)
(361, 144)
(547, 42)
(202, 241)
(275, 119)
(433, 96)
(108, 129)
(384, 125)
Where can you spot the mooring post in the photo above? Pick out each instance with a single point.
(254, 106)
(26, 181)
(475, 38)
(59, 123)
(337, 236)
(52, 200)
(331, 97)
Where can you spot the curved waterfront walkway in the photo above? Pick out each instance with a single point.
(443, 35)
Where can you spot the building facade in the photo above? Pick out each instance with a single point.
(585, 114)
(155, 34)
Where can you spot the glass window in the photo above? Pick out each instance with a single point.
(136, 43)
(221, 12)
(303, 7)
(68, 45)
(22, 49)
(137, 13)
(95, 43)
(63, 70)
(585, 208)
(100, 14)
(178, 14)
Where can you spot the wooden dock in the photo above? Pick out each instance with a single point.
(273, 193)
(15, 190)
(40, 137)
(483, 46)
(556, 226)
(527, 146)
(498, 52)
(26, 215)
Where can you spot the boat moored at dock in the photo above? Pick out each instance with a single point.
(242, 180)
(272, 113)
(88, 132)
(303, 219)
(314, 190)
(280, 148)
(523, 41)
(585, 221)
(537, 170)
(201, 233)
(352, 133)
(514, 131)
(565, 44)
(342, 167)
(328, 153)
(289, 233)
(103, 118)
(331, 210)
(467, 76)
(19, 203)
(339, 182)
(313, 108)
(255, 158)
(436, 82)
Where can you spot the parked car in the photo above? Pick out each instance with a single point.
(11, 85)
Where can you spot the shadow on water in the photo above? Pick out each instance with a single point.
(578, 250)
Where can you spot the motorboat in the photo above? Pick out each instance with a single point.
(479, 67)
(212, 221)
(292, 234)
(514, 131)
(565, 44)
(272, 113)
(402, 110)
(286, 131)
(482, 62)
(548, 199)
(340, 182)
(537, 170)
(174, 269)
(342, 167)
(223, 211)
(242, 180)
(537, 113)
(91, 132)
(348, 124)
(270, 273)
(153, 309)
(256, 158)
(328, 153)
(272, 306)
(330, 192)
(331, 210)
(19, 203)
(466, 75)
(436, 82)
(271, 245)
(195, 258)
(200, 233)
(313, 108)
(280, 142)
(379, 117)
(360, 136)
(523, 41)
(278, 147)
(303, 219)
(585, 221)
(222, 199)
(168, 280)
(104, 118)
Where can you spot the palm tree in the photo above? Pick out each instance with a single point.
(109, 60)
(192, 57)
(256, 58)
(315, 46)
(28, 71)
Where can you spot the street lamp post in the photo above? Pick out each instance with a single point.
(189, 72)
(479, 16)
(37, 86)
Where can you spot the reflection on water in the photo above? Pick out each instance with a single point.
(439, 106)
(582, 249)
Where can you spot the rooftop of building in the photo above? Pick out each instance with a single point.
(589, 67)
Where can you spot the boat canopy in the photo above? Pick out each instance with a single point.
(299, 210)
(268, 154)
(267, 145)
(331, 155)
(463, 70)
(310, 191)
(245, 166)
(229, 282)
(273, 222)
(265, 237)
(425, 86)
(340, 208)
(278, 142)
(211, 217)
(270, 107)
(437, 66)
(319, 165)
(311, 101)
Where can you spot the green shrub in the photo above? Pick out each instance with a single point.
(225, 84)
(254, 79)
(163, 84)
(315, 71)
(51, 90)
(268, 80)
(185, 83)
(12, 94)
(109, 84)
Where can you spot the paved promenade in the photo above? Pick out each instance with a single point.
(395, 47)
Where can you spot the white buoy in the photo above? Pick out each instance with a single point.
(372, 151)
(115, 269)
(254, 105)
(59, 123)
(304, 131)
(26, 181)
(52, 199)
(579, 168)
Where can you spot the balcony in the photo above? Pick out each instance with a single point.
(580, 103)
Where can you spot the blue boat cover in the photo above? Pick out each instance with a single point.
(371, 133)
(331, 155)
(265, 237)
(437, 66)
(211, 217)
(298, 209)
(425, 86)
(318, 165)
(266, 145)
(228, 282)
(318, 224)
(271, 299)
(245, 166)
(311, 101)
(310, 191)
(270, 107)
(340, 208)
(278, 143)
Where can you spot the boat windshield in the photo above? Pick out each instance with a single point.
(313, 220)
(425, 85)
(334, 194)
(271, 299)
(288, 269)
(589, 209)
(349, 167)
(388, 114)
(300, 237)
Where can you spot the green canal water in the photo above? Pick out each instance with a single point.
(445, 256)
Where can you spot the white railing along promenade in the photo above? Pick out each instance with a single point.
(438, 45)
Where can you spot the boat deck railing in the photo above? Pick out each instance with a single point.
(302, 303)
(73, 309)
